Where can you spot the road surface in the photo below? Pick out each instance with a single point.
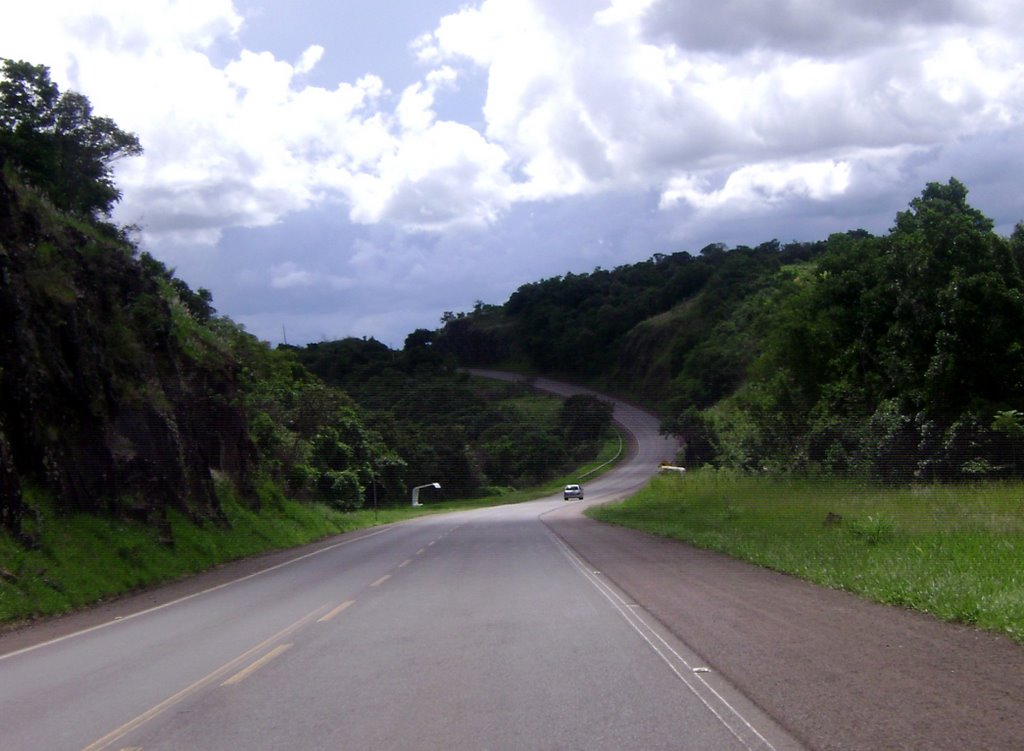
(518, 627)
(837, 671)
(474, 630)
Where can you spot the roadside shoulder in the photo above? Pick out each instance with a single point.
(836, 670)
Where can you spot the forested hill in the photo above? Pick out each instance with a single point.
(122, 393)
(899, 356)
(644, 329)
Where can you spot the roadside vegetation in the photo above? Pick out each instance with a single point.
(897, 358)
(475, 436)
(144, 437)
(78, 560)
(953, 551)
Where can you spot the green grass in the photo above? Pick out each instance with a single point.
(540, 409)
(956, 552)
(82, 559)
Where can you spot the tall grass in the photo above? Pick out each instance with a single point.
(80, 559)
(956, 552)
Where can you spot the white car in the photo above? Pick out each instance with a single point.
(572, 491)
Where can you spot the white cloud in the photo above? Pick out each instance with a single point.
(290, 275)
(663, 94)
(733, 104)
(415, 109)
(621, 11)
(438, 176)
(762, 184)
(310, 57)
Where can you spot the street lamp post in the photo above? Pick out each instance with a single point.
(416, 492)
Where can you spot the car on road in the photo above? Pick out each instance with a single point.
(572, 491)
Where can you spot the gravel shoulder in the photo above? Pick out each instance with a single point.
(836, 671)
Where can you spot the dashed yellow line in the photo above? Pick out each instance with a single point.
(421, 551)
(325, 618)
(241, 675)
(405, 563)
(206, 680)
(381, 580)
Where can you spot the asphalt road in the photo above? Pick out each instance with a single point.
(517, 627)
(475, 630)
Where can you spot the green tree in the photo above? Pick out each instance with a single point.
(695, 434)
(584, 421)
(57, 141)
(887, 352)
(1008, 426)
(954, 337)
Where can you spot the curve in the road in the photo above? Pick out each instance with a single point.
(489, 629)
(837, 671)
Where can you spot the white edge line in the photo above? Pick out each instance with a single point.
(647, 632)
(614, 458)
(189, 597)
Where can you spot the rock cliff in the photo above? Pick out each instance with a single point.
(106, 400)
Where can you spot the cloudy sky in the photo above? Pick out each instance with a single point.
(333, 168)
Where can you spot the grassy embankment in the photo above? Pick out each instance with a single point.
(956, 552)
(83, 559)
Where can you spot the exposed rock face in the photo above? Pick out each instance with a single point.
(101, 398)
(10, 489)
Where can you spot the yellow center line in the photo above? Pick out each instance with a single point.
(381, 580)
(421, 551)
(405, 563)
(203, 682)
(241, 675)
(325, 618)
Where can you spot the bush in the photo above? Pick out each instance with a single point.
(340, 489)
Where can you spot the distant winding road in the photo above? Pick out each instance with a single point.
(514, 627)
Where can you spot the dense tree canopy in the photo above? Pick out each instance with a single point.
(469, 437)
(899, 356)
(890, 350)
(59, 144)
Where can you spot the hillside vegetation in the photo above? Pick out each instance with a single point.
(472, 435)
(123, 394)
(897, 358)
